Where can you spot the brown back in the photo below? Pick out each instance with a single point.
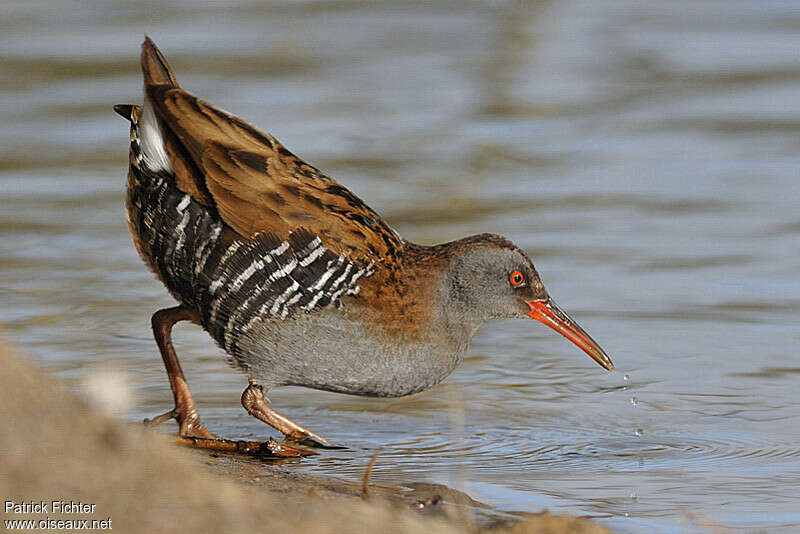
(255, 183)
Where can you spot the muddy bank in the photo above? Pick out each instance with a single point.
(55, 449)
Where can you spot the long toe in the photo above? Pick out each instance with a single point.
(157, 420)
(267, 449)
(313, 440)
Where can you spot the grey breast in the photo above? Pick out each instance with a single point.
(334, 350)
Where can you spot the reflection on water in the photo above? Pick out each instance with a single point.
(646, 156)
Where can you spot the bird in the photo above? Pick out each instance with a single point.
(294, 276)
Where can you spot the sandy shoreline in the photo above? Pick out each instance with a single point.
(55, 448)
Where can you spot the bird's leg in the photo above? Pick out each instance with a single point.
(192, 432)
(185, 410)
(257, 405)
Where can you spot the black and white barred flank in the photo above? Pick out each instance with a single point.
(232, 282)
(270, 278)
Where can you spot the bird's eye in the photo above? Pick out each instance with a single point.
(516, 278)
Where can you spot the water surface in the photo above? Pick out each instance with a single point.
(645, 154)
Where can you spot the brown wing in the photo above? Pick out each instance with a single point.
(252, 180)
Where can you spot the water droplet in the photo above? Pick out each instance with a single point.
(638, 431)
(634, 401)
(626, 377)
(626, 514)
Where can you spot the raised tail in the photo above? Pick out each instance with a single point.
(154, 146)
(148, 138)
(155, 68)
(158, 77)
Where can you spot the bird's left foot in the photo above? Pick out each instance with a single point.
(199, 437)
(269, 448)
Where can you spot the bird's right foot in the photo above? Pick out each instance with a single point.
(257, 405)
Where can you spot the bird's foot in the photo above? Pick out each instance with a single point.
(269, 448)
(257, 405)
(194, 434)
(188, 421)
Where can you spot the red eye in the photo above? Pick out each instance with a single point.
(516, 278)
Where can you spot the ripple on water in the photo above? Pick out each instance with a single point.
(561, 450)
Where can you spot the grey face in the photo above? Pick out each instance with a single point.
(489, 282)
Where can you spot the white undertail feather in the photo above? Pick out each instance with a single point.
(154, 153)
